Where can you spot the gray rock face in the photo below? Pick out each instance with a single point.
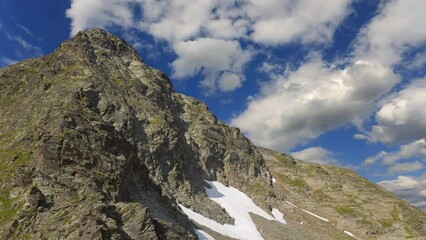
(110, 148)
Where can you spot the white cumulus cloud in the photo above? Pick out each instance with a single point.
(419, 61)
(407, 151)
(211, 57)
(316, 155)
(295, 106)
(99, 13)
(298, 106)
(215, 25)
(405, 167)
(401, 117)
(176, 20)
(398, 27)
(408, 158)
(230, 81)
(284, 21)
(411, 189)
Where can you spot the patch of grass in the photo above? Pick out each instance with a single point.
(8, 208)
(258, 189)
(117, 81)
(295, 183)
(283, 160)
(11, 160)
(344, 210)
(320, 195)
(409, 232)
(27, 236)
(158, 120)
(310, 171)
(386, 223)
(8, 100)
(394, 214)
(366, 222)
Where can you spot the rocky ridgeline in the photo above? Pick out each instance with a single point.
(95, 144)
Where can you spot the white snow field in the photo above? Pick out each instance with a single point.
(278, 215)
(238, 205)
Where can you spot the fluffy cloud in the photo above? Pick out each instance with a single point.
(271, 21)
(216, 25)
(407, 151)
(412, 155)
(99, 13)
(419, 61)
(316, 155)
(290, 109)
(284, 21)
(398, 27)
(175, 20)
(401, 183)
(211, 57)
(300, 105)
(405, 167)
(230, 81)
(401, 117)
(409, 188)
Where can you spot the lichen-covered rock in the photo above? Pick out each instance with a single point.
(37, 200)
(103, 138)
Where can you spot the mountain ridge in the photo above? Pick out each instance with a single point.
(95, 144)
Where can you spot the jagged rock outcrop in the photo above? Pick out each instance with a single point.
(94, 139)
(95, 144)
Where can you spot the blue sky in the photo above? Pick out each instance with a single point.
(340, 83)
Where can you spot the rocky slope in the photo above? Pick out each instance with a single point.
(95, 144)
(347, 200)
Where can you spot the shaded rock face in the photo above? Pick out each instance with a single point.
(94, 144)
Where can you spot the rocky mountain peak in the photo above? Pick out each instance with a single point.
(95, 144)
(90, 135)
(96, 44)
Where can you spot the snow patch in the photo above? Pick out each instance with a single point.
(203, 235)
(238, 205)
(313, 214)
(278, 215)
(291, 204)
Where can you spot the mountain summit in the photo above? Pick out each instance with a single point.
(95, 144)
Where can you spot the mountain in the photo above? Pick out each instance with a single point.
(95, 144)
